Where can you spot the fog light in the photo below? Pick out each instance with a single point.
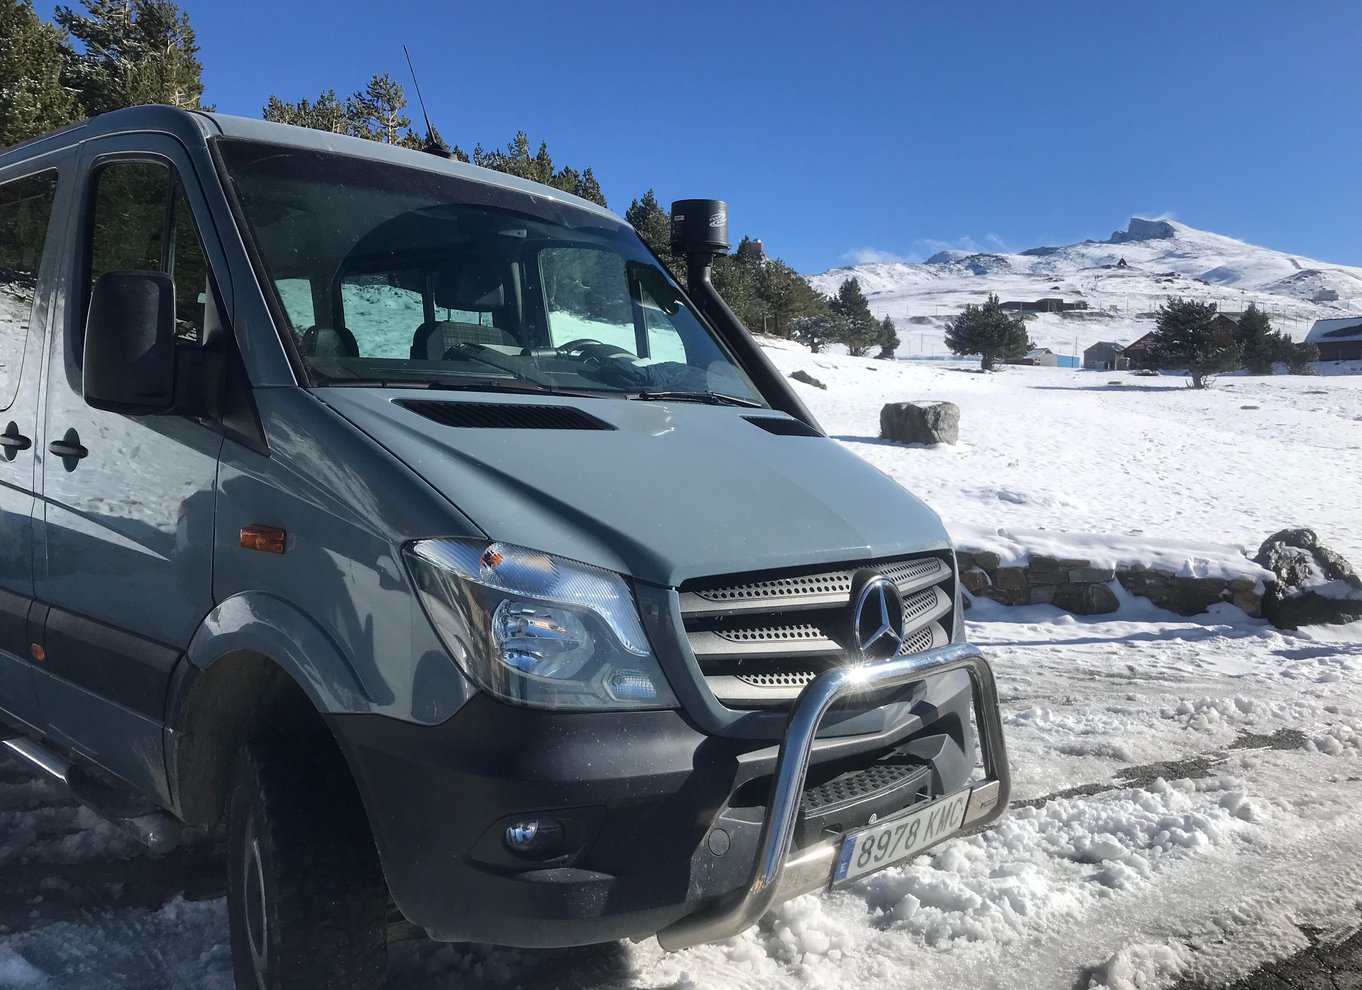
(630, 685)
(537, 838)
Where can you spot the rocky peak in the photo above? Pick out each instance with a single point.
(1143, 230)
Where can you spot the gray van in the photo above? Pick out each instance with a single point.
(409, 523)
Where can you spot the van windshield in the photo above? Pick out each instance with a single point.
(405, 276)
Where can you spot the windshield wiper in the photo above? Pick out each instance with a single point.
(524, 385)
(521, 386)
(711, 398)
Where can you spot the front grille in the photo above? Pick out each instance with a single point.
(759, 639)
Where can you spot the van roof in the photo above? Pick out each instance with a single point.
(192, 126)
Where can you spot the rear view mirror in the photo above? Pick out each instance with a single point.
(129, 363)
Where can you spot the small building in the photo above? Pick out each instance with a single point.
(1226, 328)
(1337, 339)
(1140, 353)
(1050, 304)
(1039, 357)
(1105, 355)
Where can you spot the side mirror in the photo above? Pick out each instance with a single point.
(129, 363)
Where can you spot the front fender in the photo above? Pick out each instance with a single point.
(258, 622)
(418, 684)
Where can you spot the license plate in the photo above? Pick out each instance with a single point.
(895, 839)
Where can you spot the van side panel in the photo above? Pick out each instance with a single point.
(19, 419)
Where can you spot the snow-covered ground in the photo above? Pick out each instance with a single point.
(1188, 792)
(1162, 258)
(1111, 465)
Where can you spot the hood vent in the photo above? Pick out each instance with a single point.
(783, 427)
(505, 416)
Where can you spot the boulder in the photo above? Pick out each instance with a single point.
(975, 582)
(1086, 599)
(1011, 579)
(807, 379)
(920, 422)
(1313, 586)
(1185, 596)
(1092, 575)
(987, 559)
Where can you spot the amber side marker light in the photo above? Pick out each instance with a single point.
(36, 651)
(266, 539)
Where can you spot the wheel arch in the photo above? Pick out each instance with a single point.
(256, 664)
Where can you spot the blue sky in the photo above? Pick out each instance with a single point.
(853, 130)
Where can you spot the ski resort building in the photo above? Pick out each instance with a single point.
(1105, 355)
(1337, 339)
(1138, 354)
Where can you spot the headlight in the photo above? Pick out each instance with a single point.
(538, 630)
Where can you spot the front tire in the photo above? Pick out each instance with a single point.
(305, 892)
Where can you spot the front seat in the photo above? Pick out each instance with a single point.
(475, 288)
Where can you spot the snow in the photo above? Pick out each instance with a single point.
(1187, 792)
(1110, 466)
(1121, 301)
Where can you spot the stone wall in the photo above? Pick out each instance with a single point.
(1075, 585)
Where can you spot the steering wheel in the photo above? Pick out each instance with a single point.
(590, 347)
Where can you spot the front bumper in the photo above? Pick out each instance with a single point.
(642, 797)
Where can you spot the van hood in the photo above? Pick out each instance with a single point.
(671, 491)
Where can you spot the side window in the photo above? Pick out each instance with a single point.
(142, 222)
(664, 341)
(586, 295)
(382, 311)
(25, 209)
(189, 268)
(129, 226)
(296, 295)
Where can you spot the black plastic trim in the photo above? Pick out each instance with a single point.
(504, 416)
(784, 427)
(110, 663)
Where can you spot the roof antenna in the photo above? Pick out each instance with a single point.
(433, 145)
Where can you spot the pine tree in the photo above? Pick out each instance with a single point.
(32, 98)
(652, 223)
(1187, 338)
(821, 329)
(132, 52)
(861, 330)
(889, 340)
(1260, 344)
(376, 111)
(988, 332)
(735, 281)
(326, 114)
(517, 160)
(590, 189)
(784, 296)
(1299, 357)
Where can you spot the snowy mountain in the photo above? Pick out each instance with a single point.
(1122, 279)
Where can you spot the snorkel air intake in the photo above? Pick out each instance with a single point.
(699, 233)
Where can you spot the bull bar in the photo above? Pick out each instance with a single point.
(775, 875)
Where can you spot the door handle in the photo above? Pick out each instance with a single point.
(68, 448)
(12, 441)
